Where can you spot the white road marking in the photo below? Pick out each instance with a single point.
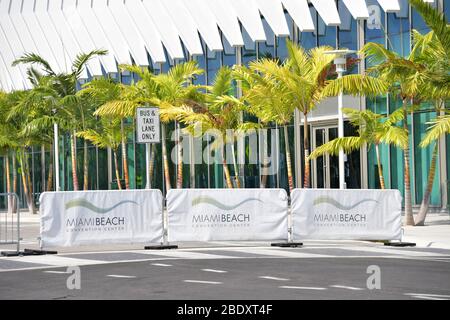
(200, 281)
(185, 255)
(57, 261)
(273, 278)
(57, 272)
(280, 253)
(302, 288)
(428, 298)
(428, 295)
(161, 265)
(400, 252)
(214, 270)
(346, 287)
(120, 276)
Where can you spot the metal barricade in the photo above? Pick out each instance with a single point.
(10, 223)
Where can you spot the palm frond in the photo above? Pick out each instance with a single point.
(439, 127)
(223, 82)
(355, 84)
(119, 108)
(396, 136)
(33, 58)
(81, 60)
(436, 21)
(347, 144)
(376, 53)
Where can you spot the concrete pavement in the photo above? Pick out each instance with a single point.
(316, 271)
(236, 270)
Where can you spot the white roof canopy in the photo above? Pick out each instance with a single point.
(389, 5)
(133, 30)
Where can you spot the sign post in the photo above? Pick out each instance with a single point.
(148, 131)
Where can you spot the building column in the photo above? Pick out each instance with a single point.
(297, 131)
(241, 141)
(362, 106)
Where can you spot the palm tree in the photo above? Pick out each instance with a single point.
(439, 128)
(216, 110)
(165, 91)
(301, 82)
(373, 129)
(99, 92)
(422, 75)
(40, 103)
(6, 144)
(270, 101)
(433, 50)
(64, 87)
(14, 136)
(406, 77)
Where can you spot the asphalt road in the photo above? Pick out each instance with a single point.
(237, 274)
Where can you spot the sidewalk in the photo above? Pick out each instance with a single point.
(435, 233)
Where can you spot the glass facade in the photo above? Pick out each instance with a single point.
(392, 30)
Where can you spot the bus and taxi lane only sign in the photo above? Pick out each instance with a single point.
(147, 125)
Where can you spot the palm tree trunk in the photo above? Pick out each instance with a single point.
(265, 163)
(307, 172)
(116, 165)
(85, 166)
(14, 172)
(50, 170)
(180, 162)
(124, 157)
(380, 171)
(152, 163)
(73, 145)
(226, 171)
(288, 159)
(420, 220)
(8, 183)
(30, 188)
(165, 160)
(25, 181)
(236, 171)
(409, 219)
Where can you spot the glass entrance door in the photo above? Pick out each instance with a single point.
(325, 168)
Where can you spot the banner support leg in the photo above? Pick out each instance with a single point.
(165, 243)
(399, 243)
(290, 242)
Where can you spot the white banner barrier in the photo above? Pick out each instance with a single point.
(350, 214)
(73, 218)
(227, 214)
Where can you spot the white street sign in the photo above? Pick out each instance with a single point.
(147, 124)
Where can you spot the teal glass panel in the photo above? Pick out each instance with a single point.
(3, 201)
(448, 166)
(422, 159)
(397, 159)
(140, 169)
(102, 169)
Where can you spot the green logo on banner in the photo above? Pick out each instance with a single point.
(337, 204)
(217, 204)
(80, 202)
